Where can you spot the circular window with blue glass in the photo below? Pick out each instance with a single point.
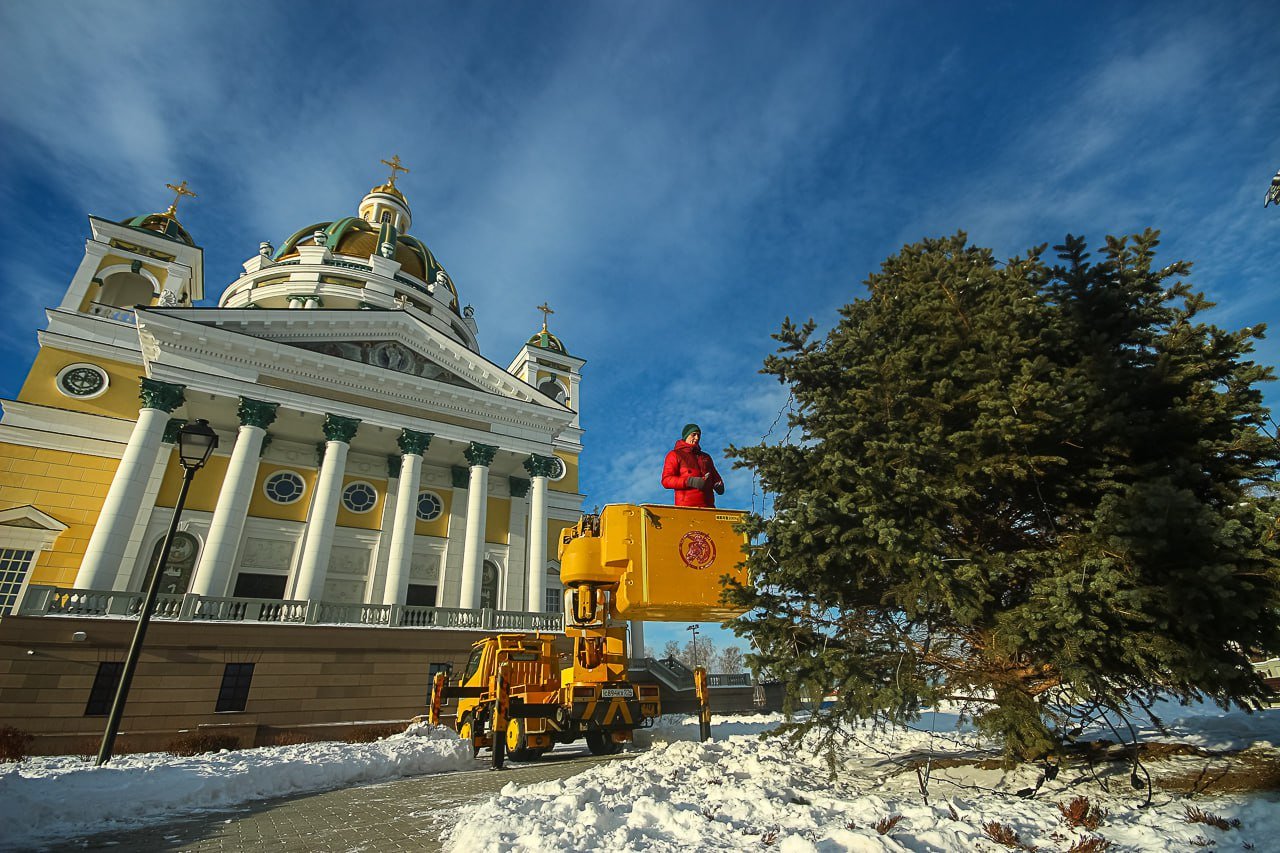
(359, 497)
(429, 506)
(284, 487)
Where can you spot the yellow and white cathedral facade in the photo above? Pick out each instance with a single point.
(372, 463)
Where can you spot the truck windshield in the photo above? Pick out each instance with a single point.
(473, 663)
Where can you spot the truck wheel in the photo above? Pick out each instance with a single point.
(601, 744)
(466, 731)
(518, 741)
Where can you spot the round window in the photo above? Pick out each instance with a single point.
(284, 487)
(429, 506)
(559, 472)
(82, 380)
(359, 497)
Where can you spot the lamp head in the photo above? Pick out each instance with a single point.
(196, 442)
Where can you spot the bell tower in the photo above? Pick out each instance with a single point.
(146, 260)
(544, 363)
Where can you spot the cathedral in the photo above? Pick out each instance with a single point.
(374, 470)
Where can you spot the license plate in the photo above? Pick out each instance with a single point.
(617, 693)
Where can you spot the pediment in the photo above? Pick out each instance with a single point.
(391, 355)
(29, 517)
(263, 340)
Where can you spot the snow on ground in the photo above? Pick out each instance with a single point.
(43, 799)
(743, 791)
(738, 791)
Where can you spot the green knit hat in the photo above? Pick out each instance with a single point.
(690, 428)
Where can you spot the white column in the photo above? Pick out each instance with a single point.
(538, 544)
(378, 579)
(105, 551)
(400, 558)
(479, 456)
(450, 588)
(213, 572)
(324, 508)
(518, 545)
(134, 567)
(82, 280)
(539, 468)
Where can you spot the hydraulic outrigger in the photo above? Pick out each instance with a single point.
(630, 562)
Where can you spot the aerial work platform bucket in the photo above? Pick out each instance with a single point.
(668, 562)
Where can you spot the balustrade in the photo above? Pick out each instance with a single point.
(59, 601)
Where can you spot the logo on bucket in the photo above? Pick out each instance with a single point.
(697, 549)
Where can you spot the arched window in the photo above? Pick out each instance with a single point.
(489, 575)
(125, 290)
(176, 579)
(554, 390)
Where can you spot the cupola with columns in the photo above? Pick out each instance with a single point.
(367, 261)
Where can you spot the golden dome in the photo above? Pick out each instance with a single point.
(546, 340)
(165, 224)
(389, 189)
(357, 239)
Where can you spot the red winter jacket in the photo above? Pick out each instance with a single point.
(685, 461)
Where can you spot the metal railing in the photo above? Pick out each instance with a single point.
(677, 676)
(43, 600)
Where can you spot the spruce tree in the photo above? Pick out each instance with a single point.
(1029, 486)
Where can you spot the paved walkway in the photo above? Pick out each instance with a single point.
(405, 814)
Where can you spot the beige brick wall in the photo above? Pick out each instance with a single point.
(303, 675)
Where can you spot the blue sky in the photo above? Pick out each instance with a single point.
(673, 177)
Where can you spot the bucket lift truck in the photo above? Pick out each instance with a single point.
(630, 562)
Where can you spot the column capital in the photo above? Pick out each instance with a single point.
(414, 443)
(164, 396)
(461, 477)
(338, 428)
(257, 413)
(480, 454)
(542, 466)
(393, 466)
(171, 430)
(519, 487)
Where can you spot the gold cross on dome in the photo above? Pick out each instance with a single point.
(545, 309)
(181, 190)
(394, 163)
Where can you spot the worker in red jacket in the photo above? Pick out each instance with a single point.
(691, 472)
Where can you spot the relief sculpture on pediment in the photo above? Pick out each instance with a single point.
(391, 355)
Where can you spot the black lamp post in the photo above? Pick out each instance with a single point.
(695, 652)
(195, 445)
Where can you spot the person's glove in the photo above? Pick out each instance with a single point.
(696, 483)
(720, 488)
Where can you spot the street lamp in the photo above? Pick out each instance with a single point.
(196, 442)
(695, 653)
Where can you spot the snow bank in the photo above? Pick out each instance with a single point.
(47, 798)
(743, 791)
